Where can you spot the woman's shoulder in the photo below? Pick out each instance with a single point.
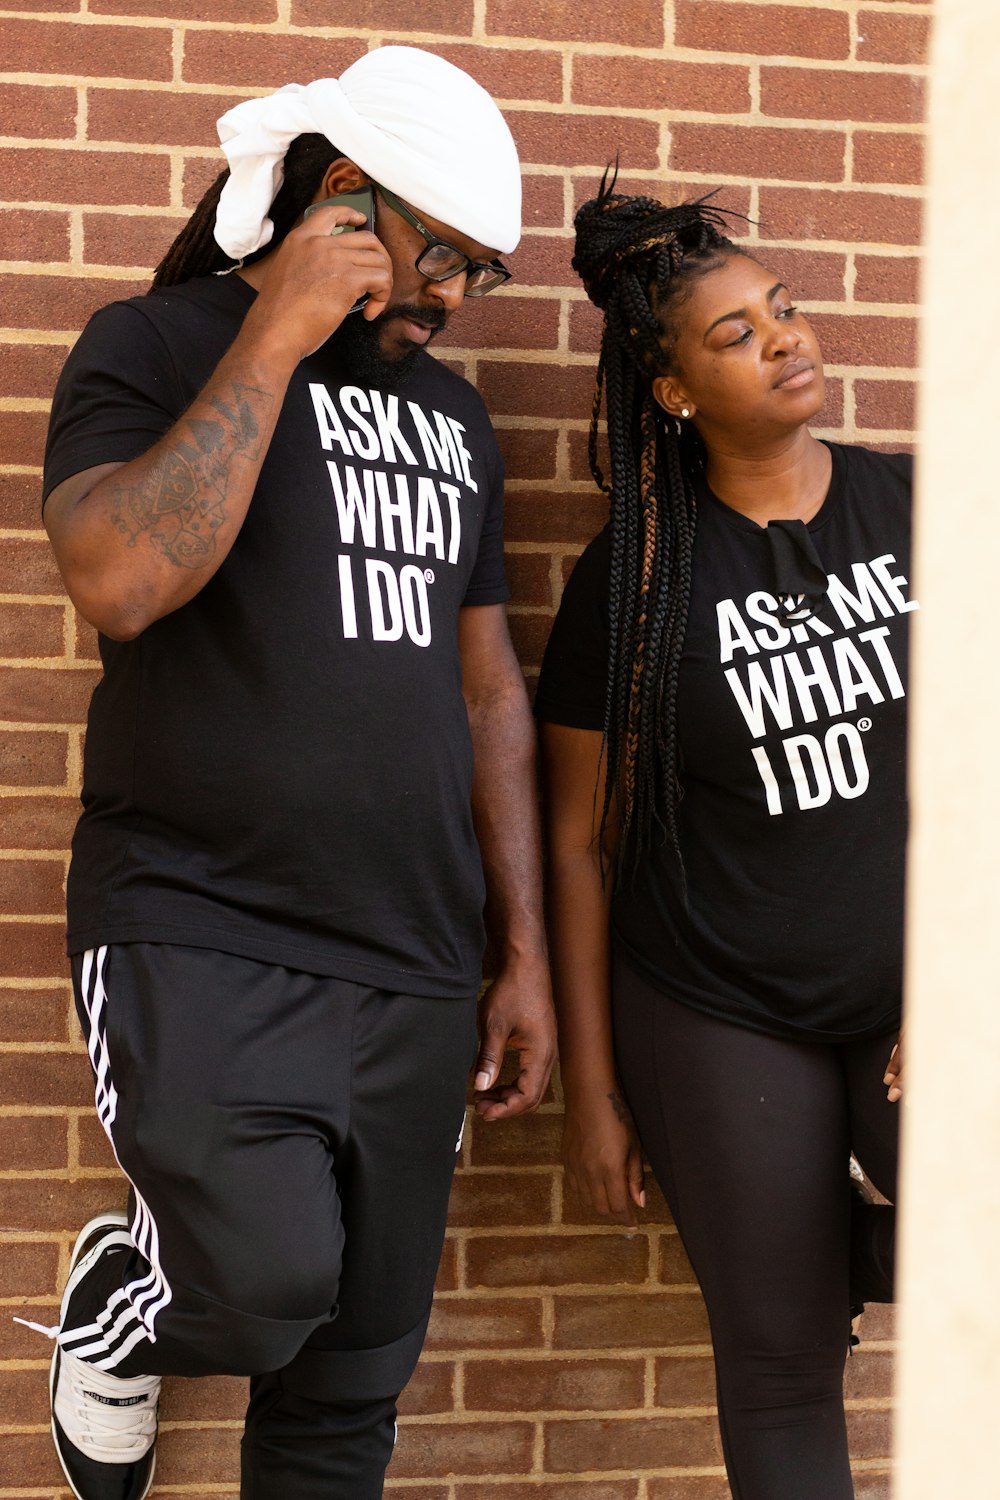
(874, 465)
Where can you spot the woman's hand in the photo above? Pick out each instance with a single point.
(603, 1159)
(894, 1071)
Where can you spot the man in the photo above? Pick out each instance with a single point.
(284, 518)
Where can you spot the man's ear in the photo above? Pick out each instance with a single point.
(669, 393)
(341, 176)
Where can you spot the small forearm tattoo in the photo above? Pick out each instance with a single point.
(618, 1105)
(180, 504)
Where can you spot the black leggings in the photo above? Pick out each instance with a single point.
(749, 1138)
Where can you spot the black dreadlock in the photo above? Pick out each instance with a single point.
(195, 253)
(637, 260)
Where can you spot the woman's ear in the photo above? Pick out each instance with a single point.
(669, 393)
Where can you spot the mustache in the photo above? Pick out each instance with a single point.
(434, 317)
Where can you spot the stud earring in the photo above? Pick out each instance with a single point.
(685, 411)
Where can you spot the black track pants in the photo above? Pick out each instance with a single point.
(290, 1141)
(749, 1138)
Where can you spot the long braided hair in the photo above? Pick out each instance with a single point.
(636, 259)
(195, 253)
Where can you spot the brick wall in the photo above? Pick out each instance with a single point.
(564, 1358)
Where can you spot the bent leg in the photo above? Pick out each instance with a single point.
(748, 1136)
(216, 1105)
(325, 1424)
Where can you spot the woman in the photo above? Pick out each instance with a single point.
(723, 724)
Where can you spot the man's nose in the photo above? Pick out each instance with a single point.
(450, 293)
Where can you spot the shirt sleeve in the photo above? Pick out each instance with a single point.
(488, 583)
(572, 688)
(117, 395)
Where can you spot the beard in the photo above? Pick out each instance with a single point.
(357, 343)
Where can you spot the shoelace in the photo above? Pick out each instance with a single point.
(108, 1418)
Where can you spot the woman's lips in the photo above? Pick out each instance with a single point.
(797, 372)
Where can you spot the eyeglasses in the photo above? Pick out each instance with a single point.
(439, 261)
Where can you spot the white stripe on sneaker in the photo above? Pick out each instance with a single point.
(117, 1330)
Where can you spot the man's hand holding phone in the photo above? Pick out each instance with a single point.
(332, 264)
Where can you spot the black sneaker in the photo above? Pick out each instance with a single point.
(104, 1427)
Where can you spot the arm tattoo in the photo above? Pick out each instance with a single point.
(617, 1104)
(180, 503)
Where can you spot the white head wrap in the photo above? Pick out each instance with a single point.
(410, 120)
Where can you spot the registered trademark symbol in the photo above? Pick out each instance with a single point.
(429, 574)
(864, 725)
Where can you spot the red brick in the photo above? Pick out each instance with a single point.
(34, 950)
(200, 173)
(831, 413)
(542, 202)
(31, 887)
(46, 1203)
(212, 1398)
(510, 72)
(630, 1443)
(887, 278)
(29, 631)
(28, 1268)
(888, 38)
(870, 1433)
(691, 1487)
(685, 1381)
(233, 11)
(860, 340)
(45, 695)
(553, 517)
(820, 214)
(32, 110)
(198, 1456)
(635, 1320)
(95, 1148)
(553, 1489)
(106, 51)
(85, 647)
(43, 822)
(513, 388)
(885, 403)
(489, 1198)
(568, 21)
(528, 454)
(24, 1397)
(33, 1143)
(505, 322)
(556, 1260)
(418, 1491)
(581, 140)
(673, 1266)
(655, 1213)
(822, 94)
(430, 1391)
(530, 634)
(543, 260)
(447, 1273)
(34, 1016)
(32, 370)
(40, 5)
(34, 234)
(20, 504)
(888, 156)
(27, 566)
(767, 30)
(868, 1373)
(811, 275)
(759, 152)
(553, 1385)
(529, 1140)
(585, 326)
(530, 577)
(463, 1448)
(129, 239)
(870, 1485)
(22, 436)
(477, 1323)
(713, 88)
(156, 116)
(60, 175)
(263, 59)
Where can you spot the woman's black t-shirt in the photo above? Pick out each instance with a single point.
(792, 822)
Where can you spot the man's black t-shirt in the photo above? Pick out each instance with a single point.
(793, 745)
(282, 767)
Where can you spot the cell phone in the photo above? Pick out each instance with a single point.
(362, 199)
